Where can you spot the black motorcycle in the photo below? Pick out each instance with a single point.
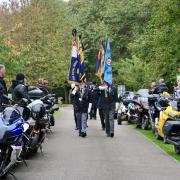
(38, 124)
(51, 106)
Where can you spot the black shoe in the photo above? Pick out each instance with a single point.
(19, 160)
(112, 135)
(103, 128)
(80, 133)
(84, 135)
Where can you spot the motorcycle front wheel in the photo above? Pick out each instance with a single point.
(177, 149)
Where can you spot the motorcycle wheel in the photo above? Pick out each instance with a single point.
(153, 129)
(165, 140)
(177, 149)
(2, 165)
(145, 124)
(35, 150)
(158, 137)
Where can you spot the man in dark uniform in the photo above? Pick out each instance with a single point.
(107, 102)
(94, 99)
(3, 88)
(75, 96)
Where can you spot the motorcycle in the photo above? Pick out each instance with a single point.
(38, 123)
(122, 110)
(51, 106)
(12, 129)
(154, 110)
(168, 125)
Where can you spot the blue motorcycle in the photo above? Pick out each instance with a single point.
(12, 128)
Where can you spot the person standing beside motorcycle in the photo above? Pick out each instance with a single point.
(152, 87)
(162, 87)
(19, 88)
(3, 88)
(20, 91)
(43, 86)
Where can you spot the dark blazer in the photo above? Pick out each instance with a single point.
(108, 98)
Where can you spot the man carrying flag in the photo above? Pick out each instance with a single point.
(108, 97)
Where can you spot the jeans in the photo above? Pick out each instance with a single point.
(83, 122)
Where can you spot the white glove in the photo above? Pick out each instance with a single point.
(73, 86)
(80, 99)
(102, 87)
(74, 90)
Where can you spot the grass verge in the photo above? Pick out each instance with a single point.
(166, 147)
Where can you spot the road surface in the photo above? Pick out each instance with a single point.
(127, 156)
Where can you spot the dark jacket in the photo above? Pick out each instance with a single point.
(160, 88)
(107, 99)
(95, 97)
(19, 91)
(75, 101)
(84, 103)
(3, 91)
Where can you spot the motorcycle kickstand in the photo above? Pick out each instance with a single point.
(25, 163)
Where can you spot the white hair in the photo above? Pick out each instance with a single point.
(2, 66)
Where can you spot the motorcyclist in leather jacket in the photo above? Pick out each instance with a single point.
(19, 88)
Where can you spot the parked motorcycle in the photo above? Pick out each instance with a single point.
(51, 106)
(12, 129)
(38, 123)
(168, 124)
(122, 110)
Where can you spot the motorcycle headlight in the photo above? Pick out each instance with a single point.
(10, 115)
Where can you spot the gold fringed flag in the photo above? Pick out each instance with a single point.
(100, 62)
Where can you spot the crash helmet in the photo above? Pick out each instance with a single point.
(38, 111)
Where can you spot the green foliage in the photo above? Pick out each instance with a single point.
(12, 62)
(144, 37)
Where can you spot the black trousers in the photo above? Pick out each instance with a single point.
(93, 111)
(75, 119)
(101, 114)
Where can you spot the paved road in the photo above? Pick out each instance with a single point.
(128, 156)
